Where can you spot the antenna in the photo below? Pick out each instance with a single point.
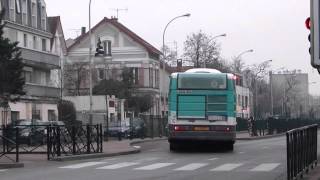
(77, 31)
(117, 10)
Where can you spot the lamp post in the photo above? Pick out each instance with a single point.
(247, 51)
(90, 65)
(164, 52)
(214, 37)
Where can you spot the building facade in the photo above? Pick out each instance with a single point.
(27, 23)
(123, 49)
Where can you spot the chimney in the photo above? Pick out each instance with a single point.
(114, 18)
(179, 65)
(83, 30)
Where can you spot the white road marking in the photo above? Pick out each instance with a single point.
(3, 170)
(191, 167)
(154, 166)
(241, 152)
(227, 167)
(212, 159)
(137, 147)
(81, 165)
(266, 167)
(265, 147)
(118, 165)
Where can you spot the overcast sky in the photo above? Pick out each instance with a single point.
(274, 29)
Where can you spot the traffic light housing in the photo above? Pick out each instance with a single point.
(100, 49)
(314, 26)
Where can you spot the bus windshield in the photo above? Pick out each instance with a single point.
(202, 81)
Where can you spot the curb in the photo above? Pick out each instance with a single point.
(261, 137)
(147, 140)
(11, 165)
(96, 155)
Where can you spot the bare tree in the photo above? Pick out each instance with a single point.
(170, 55)
(237, 65)
(201, 48)
(75, 75)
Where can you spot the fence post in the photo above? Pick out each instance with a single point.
(58, 142)
(88, 138)
(17, 144)
(48, 142)
(101, 140)
(152, 130)
(73, 137)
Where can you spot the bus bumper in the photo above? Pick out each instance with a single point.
(210, 136)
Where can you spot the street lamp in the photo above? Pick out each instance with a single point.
(247, 51)
(163, 48)
(214, 37)
(90, 65)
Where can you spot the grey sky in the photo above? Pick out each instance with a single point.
(273, 28)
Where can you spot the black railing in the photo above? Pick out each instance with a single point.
(53, 140)
(75, 140)
(301, 150)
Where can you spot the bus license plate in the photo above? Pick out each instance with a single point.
(201, 128)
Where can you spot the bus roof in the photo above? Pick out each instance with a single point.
(202, 70)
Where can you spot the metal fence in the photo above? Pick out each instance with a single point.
(273, 126)
(301, 151)
(53, 140)
(74, 140)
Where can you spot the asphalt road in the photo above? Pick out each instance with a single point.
(250, 160)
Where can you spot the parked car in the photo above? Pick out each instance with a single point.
(137, 129)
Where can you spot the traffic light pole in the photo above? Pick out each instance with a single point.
(90, 65)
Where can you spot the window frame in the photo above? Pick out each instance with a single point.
(33, 14)
(25, 40)
(12, 9)
(24, 11)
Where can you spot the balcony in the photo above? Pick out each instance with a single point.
(41, 90)
(40, 59)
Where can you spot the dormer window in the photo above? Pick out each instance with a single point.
(12, 10)
(107, 47)
(43, 18)
(34, 14)
(18, 7)
(24, 12)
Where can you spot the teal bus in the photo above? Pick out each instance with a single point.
(202, 108)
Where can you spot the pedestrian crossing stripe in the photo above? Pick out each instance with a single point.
(82, 165)
(3, 170)
(191, 167)
(227, 167)
(118, 165)
(266, 167)
(154, 166)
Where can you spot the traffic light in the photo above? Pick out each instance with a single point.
(308, 26)
(313, 24)
(100, 49)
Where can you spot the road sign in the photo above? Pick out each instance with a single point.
(315, 33)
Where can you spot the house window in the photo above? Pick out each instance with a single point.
(15, 116)
(44, 45)
(12, 10)
(157, 78)
(135, 72)
(43, 18)
(28, 76)
(24, 12)
(107, 47)
(0, 5)
(151, 77)
(111, 104)
(239, 100)
(51, 115)
(246, 101)
(101, 74)
(35, 42)
(33, 15)
(25, 40)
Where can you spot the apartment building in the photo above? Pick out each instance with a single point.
(26, 22)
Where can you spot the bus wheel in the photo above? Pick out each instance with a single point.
(230, 146)
(173, 147)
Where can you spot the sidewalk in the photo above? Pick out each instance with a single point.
(244, 135)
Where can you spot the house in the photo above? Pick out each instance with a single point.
(27, 22)
(122, 49)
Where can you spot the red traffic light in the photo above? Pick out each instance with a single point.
(308, 23)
